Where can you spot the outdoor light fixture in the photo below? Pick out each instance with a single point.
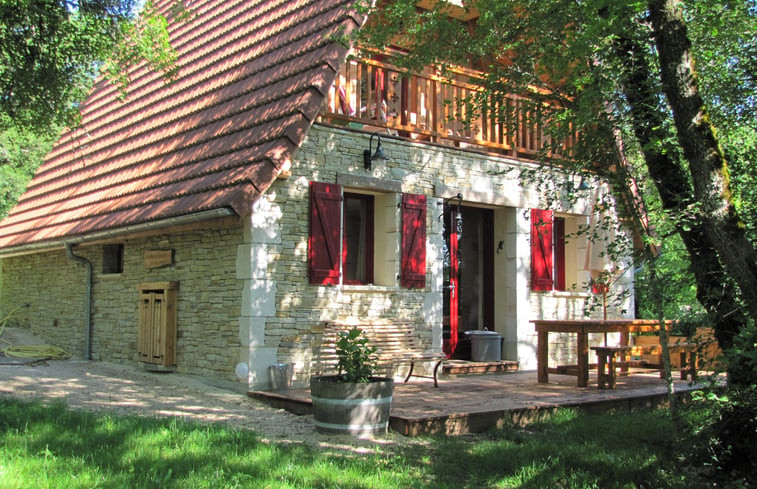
(582, 185)
(378, 155)
(459, 198)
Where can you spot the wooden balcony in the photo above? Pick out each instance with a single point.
(375, 95)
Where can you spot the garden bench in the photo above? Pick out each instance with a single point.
(395, 345)
(609, 358)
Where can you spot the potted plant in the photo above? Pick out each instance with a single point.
(354, 400)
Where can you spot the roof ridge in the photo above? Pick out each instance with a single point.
(149, 77)
(90, 128)
(142, 70)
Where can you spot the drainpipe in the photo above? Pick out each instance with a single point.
(87, 301)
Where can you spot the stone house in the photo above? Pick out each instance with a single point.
(222, 217)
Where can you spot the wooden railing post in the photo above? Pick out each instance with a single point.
(375, 93)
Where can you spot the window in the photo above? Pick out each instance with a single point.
(354, 237)
(357, 245)
(113, 259)
(549, 270)
(558, 231)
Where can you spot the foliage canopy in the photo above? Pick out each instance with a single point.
(623, 75)
(51, 53)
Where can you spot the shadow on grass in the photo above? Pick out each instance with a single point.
(74, 448)
(569, 450)
(81, 449)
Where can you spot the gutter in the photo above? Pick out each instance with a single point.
(116, 232)
(87, 301)
(111, 233)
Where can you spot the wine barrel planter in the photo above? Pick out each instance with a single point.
(345, 407)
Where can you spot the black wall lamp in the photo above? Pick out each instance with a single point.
(459, 198)
(582, 185)
(378, 155)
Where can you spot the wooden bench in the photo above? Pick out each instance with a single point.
(607, 362)
(394, 342)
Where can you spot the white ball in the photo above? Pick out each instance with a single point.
(242, 370)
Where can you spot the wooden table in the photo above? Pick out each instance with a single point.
(582, 328)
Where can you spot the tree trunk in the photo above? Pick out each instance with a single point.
(714, 289)
(721, 228)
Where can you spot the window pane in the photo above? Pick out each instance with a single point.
(558, 233)
(113, 258)
(357, 260)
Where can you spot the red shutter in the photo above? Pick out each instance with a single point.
(413, 273)
(323, 242)
(541, 250)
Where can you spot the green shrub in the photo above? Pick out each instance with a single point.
(356, 362)
(722, 432)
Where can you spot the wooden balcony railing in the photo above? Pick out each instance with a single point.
(374, 95)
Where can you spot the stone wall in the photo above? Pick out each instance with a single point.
(243, 290)
(53, 287)
(336, 156)
(209, 298)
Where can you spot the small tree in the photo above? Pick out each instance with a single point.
(356, 362)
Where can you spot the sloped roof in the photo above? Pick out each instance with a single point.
(251, 77)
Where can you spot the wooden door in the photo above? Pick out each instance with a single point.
(468, 276)
(452, 279)
(150, 336)
(156, 332)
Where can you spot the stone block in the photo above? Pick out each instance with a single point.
(259, 298)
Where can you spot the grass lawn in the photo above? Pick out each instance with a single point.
(50, 446)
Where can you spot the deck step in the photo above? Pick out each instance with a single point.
(478, 403)
(463, 367)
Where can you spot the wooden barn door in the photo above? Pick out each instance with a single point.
(156, 333)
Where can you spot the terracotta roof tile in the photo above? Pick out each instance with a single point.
(251, 77)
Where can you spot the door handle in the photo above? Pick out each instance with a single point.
(452, 288)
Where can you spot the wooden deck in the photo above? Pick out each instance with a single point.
(476, 403)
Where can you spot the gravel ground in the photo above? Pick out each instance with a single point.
(126, 389)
